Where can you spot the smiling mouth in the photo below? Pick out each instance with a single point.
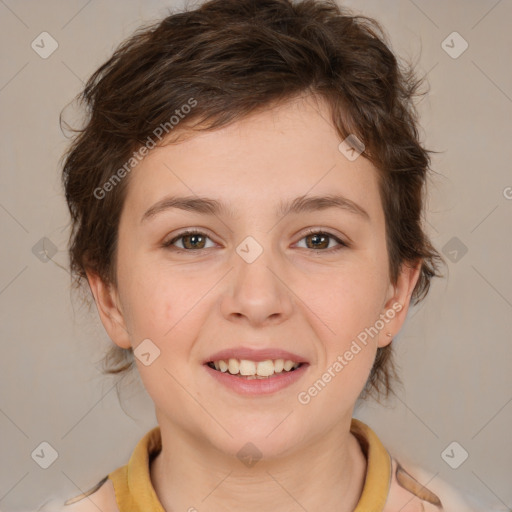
(246, 369)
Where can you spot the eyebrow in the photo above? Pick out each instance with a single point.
(302, 204)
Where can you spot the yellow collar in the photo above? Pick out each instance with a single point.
(135, 492)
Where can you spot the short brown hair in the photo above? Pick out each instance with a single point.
(234, 58)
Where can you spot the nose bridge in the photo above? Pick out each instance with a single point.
(257, 291)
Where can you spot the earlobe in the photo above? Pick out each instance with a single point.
(397, 305)
(111, 315)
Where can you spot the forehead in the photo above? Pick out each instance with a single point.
(278, 154)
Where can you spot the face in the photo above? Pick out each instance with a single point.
(266, 276)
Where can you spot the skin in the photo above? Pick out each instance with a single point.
(307, 301)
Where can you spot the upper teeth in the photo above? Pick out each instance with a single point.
(261, 368)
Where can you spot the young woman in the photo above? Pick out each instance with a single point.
(246, 198)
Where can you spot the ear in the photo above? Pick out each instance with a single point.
(111, 314)
(398, 301)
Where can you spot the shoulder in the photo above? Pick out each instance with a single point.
(100, 497)
(415, 489)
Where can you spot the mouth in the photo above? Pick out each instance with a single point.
(250, 370)
(246, 371)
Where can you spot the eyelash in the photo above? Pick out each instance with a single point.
(312, 231)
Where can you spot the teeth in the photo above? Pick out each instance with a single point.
(278, 365)
(253, 369)
(265, 368)
(288, 365)
(247, 367)
(233, 366)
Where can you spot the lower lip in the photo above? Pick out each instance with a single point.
(257, 386)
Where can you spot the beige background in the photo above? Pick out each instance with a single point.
(455, 350)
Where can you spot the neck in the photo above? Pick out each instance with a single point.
(326, 474)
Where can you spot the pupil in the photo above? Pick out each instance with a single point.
(316, 238)
(193, 239)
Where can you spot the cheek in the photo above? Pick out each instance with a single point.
(158, 300)
(350, 307)
(349, 303)
(348, 300)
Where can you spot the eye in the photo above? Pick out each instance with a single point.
(191, 240)
(320, 241)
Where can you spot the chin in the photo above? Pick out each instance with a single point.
(259, 438)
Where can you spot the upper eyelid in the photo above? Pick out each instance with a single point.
(339, 239)
(190, 231)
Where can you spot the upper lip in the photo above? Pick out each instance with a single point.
(255, 355)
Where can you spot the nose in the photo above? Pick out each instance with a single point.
(257, 292)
